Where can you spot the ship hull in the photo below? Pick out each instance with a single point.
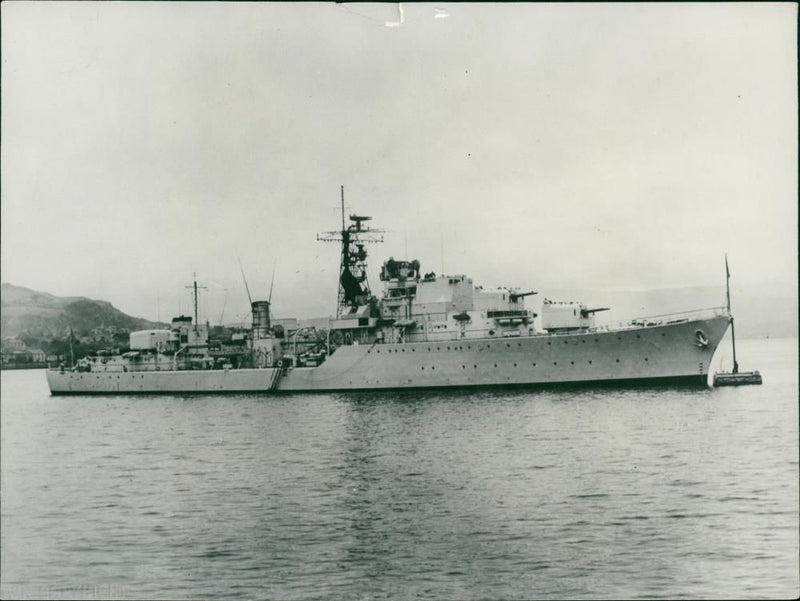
(677, 353)
(157, 382)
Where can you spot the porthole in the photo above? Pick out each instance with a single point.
(533, 364)
(590, 360)
(495, 364)
(515, 365)
(463, 367)
(646, 359)
(548, 343)
(572, 363)
(422, 368)
(555, 362)
(617, 360)
(433, 367)
(583, 341)
(475, 366)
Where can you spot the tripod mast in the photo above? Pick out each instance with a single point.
(354, 289)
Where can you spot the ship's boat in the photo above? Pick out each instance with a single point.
(421, 331)
(737, 378)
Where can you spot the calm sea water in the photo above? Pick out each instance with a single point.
(669, 493)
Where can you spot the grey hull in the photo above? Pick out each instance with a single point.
(671, 353)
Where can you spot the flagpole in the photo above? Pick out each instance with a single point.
(727, 283)
(733, 330)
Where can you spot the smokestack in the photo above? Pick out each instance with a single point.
(261, 323)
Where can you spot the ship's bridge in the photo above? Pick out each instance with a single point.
(408, 296)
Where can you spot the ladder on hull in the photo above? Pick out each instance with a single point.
(276, 378)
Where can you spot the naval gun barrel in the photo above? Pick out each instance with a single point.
(515, 295)
(587, 312)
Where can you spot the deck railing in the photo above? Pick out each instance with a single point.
(681, 315)
(638, 322)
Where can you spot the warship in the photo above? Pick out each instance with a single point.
(423, 331)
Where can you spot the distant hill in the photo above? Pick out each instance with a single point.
(42, 315)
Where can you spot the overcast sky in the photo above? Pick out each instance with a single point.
(614, 146)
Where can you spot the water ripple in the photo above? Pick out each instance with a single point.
(506, 494)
